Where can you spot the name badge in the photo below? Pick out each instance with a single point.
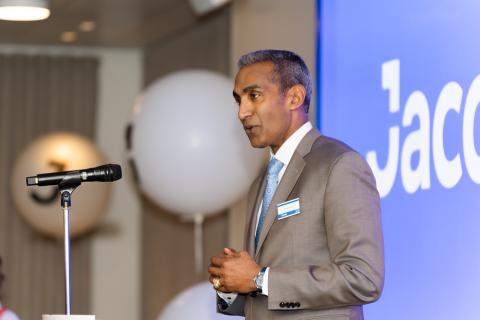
(288, 209)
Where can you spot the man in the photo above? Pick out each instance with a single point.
(314, 246)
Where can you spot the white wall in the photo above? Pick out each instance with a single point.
(116, 252)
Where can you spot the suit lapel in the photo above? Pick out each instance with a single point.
(289, 179)
(254, 205)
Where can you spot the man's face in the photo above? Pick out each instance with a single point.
(263, 109)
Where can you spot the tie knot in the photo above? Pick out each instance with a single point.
(274, 167)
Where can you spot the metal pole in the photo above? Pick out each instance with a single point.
(198, 243)
(66, 229)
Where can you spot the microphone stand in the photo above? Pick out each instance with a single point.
(67, 182)
(66, 188)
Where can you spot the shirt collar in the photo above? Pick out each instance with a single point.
(286, 150)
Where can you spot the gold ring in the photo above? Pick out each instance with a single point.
(217, 282)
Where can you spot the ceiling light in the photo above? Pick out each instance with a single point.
(24, 10)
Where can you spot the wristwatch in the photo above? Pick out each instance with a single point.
(259, 279)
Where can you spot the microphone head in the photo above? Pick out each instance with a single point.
(32, 181)
(113, 172)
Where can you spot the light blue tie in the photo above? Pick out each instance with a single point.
(273, 169)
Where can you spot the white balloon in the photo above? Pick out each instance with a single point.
(195, 303)
(190, 150)
(40, 206)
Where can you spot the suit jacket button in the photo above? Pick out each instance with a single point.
(282, 304)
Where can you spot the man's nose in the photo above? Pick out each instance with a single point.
(245, 110)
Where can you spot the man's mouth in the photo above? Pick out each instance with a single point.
(249, 128)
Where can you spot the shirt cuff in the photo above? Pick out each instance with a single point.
(227, 297)
(265, 282)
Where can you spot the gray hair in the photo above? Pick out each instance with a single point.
(288, 67)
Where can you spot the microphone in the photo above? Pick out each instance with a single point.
(105, 173)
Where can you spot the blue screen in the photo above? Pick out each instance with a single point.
(399, 81)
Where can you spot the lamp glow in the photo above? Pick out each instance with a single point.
(24, 10)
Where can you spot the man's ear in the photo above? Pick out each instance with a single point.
(296, 95)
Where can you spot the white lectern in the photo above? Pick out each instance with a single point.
(66, 317)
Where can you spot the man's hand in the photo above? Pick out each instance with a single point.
(236, 271)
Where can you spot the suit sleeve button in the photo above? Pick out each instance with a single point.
(297, 304)
(281, 304)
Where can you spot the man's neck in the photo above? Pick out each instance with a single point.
(286, 151)
(290, 131)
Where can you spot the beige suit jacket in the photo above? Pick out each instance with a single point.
(327, 261)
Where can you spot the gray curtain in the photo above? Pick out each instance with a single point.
(39, 95)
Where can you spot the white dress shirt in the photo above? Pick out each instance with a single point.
(284, 154)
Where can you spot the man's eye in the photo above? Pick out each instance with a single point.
(254, 95)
